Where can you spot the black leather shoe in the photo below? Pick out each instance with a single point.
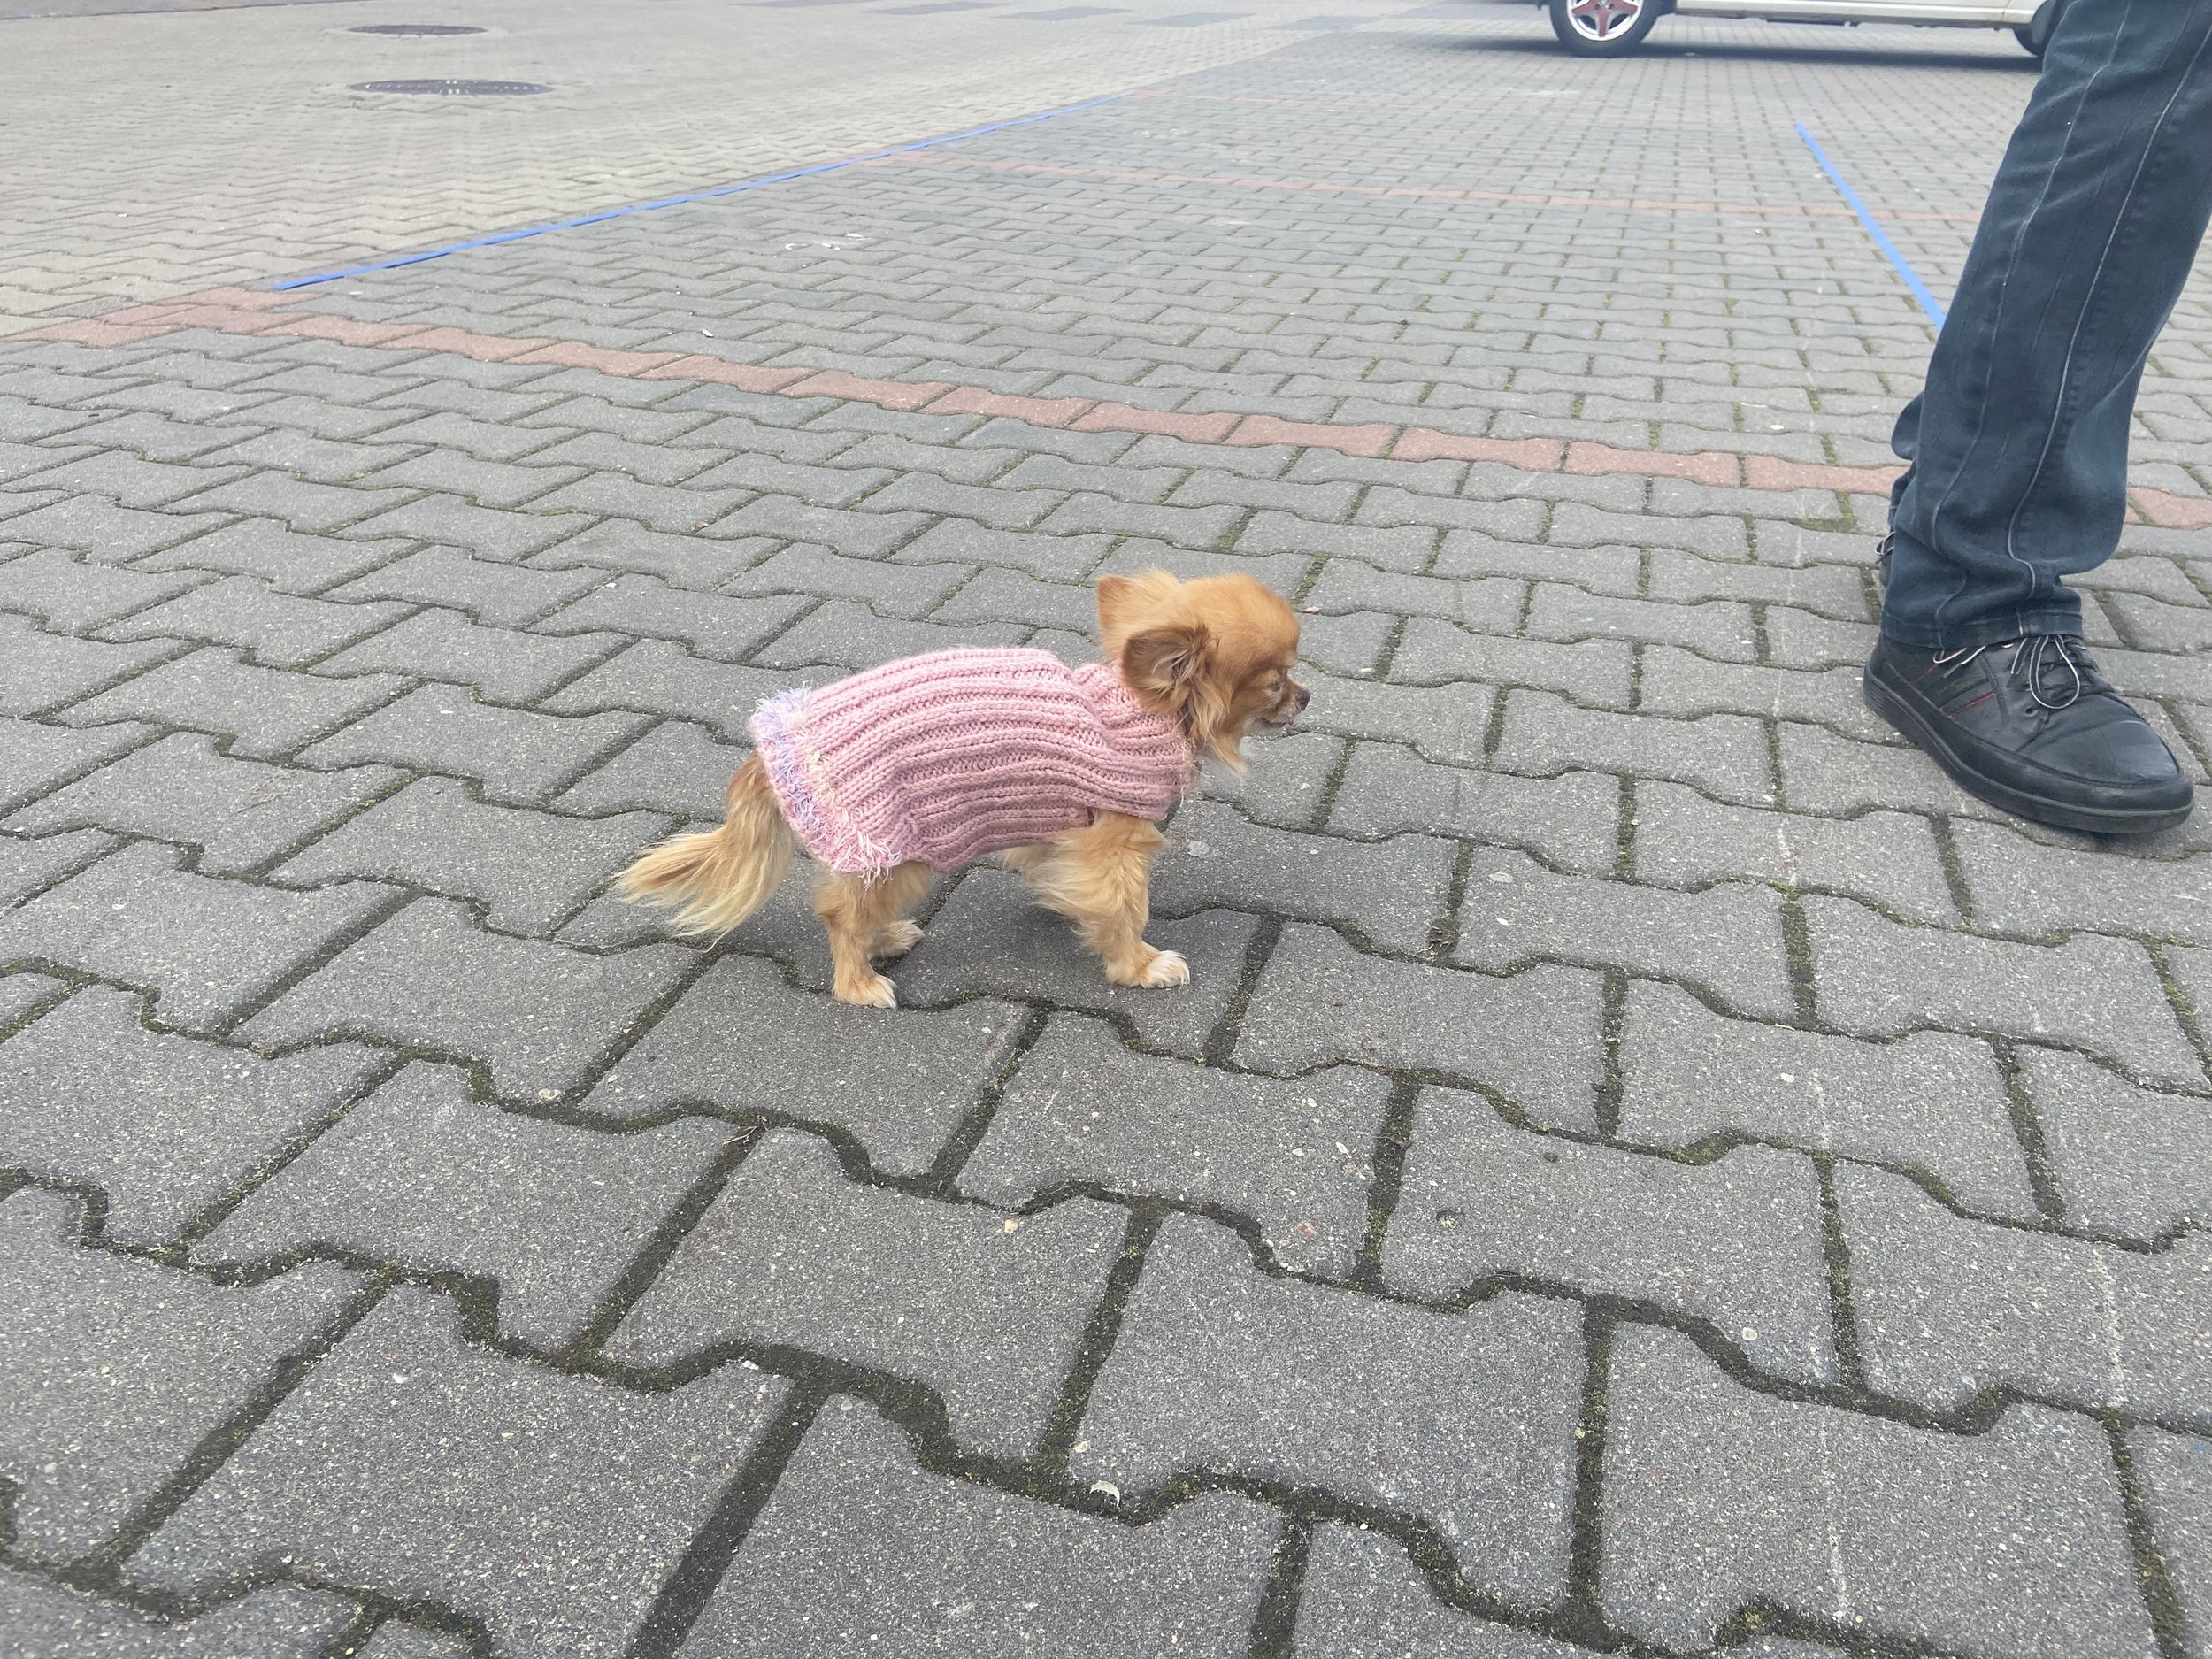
(2032, 726)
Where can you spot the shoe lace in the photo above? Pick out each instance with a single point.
(2057, 667)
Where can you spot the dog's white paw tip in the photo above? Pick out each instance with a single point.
(1168, 968)
(877, 993)
(898, 939)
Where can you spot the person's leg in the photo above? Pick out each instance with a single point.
(2018, 445)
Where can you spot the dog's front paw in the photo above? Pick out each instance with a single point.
(897, 938)
(874, 991)
(1166, 968)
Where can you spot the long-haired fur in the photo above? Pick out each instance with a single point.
(715, 878)
(1215, 654)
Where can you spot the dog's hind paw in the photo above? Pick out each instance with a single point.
(1167, 968)
(897, 938)
(875, 991)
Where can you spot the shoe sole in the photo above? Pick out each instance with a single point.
(2020, 802)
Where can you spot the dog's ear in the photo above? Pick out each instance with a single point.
(1165, 660)
(1126, 603)
(1116, 595)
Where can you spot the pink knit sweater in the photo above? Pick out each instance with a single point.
(943, 759)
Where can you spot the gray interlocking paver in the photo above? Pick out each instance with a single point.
(35, 758)
(497, 594)
(1594, 672)
(988, 938)
(2009, 1541)
(404, 1459)
(740, 1040)
(1463, 1420)
(207, 948)
(277, 629)
(1572, 820)
(2025, 887)
(500, 663)
(539, 1016)
(239, 814)
(1737, 1242)
(1724, 755)
(514, 755)
(1931, 1102)
(528, 869)
(988, 1310)
(1726, 940)
(30, 864)
(661, 677)
(1683, 839)
(845, 634)
(2129, 1164)
(862, 1552)
(1391, 892)
(289, 562)
(47, 669)
(1683, 684)
(1534, 1035)
(1947, 1308)
(114, 1369)
(1448, 724)
(1085, 1110)
(1362, 1597)
(46, 1620)
(708, 625)
(1881, 978)
(676, 767)
(265, 713)
(419, 1174)
(163, 1126)
(891, 589)
(69, 595)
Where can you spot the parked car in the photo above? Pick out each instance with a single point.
(1605, 29)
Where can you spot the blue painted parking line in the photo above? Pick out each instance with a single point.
(679, 201)
(1928, 302)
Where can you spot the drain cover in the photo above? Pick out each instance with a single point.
(415, 29)
(453, 88)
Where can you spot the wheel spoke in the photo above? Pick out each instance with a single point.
(1599, 19)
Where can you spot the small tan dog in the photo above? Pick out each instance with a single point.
(931, 761)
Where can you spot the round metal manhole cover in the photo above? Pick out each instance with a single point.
(453, 88)
(415, 29)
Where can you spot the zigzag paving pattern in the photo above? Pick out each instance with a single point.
(1643, 1166)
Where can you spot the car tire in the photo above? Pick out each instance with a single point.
(2037, 34)
(1603, 28)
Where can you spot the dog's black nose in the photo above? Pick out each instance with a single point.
(1304, 697)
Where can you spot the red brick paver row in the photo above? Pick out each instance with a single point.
(255, 311)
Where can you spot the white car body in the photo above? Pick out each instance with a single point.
(2010, 14)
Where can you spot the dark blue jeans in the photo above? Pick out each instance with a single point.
(2018, 444)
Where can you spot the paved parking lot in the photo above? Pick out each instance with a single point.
(1643, 1166)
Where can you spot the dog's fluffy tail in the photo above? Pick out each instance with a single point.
(717, 877)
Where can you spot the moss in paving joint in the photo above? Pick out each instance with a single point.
(1953, 864)
(969, 1132)
(1097, 1341)
(1583, 1612)
(1393, 1137)
(1221, 1041)
(684, 1596)
(1797, 946)
(1836, 1251)
(2027, 1128)
(1612, 1025)
(1275, 1625)
(2154, 1576)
